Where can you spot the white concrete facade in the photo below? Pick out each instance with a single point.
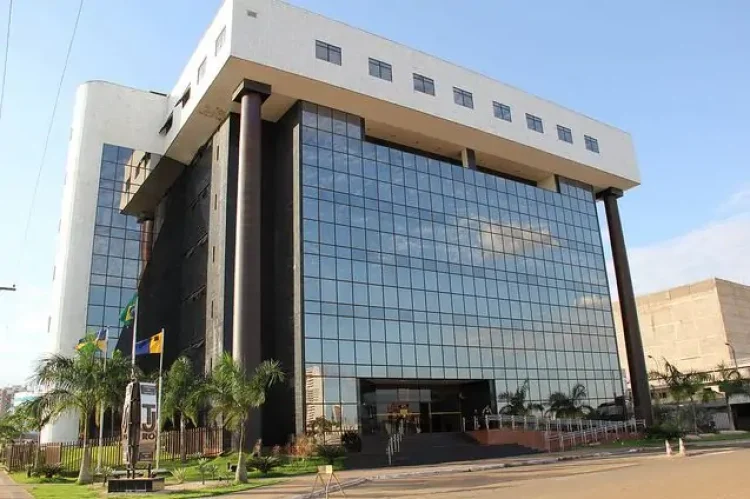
(273, 42)
(104, 113)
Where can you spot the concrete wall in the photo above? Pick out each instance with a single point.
(735, 307)
(690, 325)
(282, 36)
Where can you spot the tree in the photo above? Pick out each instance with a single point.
(73, 384)
(684, 386)
(33, 415)
(233, 394)
(731, 383)
(563, 405)
(516, 404)
(182, 396)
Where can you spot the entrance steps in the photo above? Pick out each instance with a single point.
(429, 448)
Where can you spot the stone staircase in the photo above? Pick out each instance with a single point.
(429, 448)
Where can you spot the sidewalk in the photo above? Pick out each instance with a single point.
(10, 489)
(300, 487)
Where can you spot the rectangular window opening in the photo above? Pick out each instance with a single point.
(534, 123)
(463, 98)
(592, 144)
(219, 44)
(502, 111)
(327, 52)
(424, 84)
(380, 69)
(564, 134)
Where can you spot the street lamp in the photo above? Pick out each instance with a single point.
(734, 355)
(8, 288)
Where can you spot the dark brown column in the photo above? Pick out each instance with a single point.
(631, 330)
(469, 159)
(147, 240)
(246, 333)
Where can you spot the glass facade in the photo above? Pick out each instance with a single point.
(416, 268)
(115, 263)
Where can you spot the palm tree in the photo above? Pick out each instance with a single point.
(73, 384)
(563, 405)
(33, 415)
(684, 386)
(731, 383)
(182, 396)
(516, 404)
(233, 394)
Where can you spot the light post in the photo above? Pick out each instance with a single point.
(734, 355)
(8, 288)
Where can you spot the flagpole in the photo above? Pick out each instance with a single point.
(135, 335)
(101, 408)
(158, 402)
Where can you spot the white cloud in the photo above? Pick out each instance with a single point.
(740, 200)
(719, 249)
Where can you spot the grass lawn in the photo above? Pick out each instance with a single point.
(293, 468)
(66, 488)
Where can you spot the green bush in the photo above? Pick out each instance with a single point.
(46, 470)
(329, 453)
(179, 474)
(264, 464)
(351, 441)
(664, 431)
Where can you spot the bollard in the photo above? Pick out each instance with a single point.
(668, 448)
(682, 451)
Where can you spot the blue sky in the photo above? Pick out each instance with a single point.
(674, 74)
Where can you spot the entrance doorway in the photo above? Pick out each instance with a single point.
(415, 406)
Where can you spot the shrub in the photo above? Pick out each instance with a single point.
(351, 441)
(664, 431)
(46, 470)
(264, 464)
(203, 465)
(179, 474)
(329, 453)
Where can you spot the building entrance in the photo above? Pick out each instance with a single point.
(415, 406)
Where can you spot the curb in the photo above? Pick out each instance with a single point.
(467, 469)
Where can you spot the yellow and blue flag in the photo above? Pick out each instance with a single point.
(100, 340)
(154, 344)
(127, 316)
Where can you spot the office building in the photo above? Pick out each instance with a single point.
(7, 395)
(406, 236)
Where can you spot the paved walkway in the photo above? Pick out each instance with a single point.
(10, 490)
(300, 487)
(712, 475)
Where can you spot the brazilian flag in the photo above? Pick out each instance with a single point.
(127, 316)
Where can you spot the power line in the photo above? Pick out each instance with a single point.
(5, 60)
(49, 132)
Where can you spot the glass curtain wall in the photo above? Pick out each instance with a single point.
(115, 263)
(416, 268)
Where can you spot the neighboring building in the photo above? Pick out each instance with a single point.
(409, 238)
(6, 397)
(694, 327)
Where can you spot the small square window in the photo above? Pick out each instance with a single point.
(591, 144)
(463, 98)
(219, 43)
(327, 52)
(501, 111)
(201, 72)
(534, 123)
(424, 84)
(564, 134)
(380, 69)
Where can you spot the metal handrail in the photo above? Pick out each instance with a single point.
(394, 443)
